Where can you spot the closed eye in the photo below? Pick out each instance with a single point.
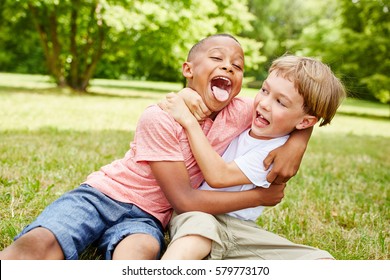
(280, 102)
(237, 66)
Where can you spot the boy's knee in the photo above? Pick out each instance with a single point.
(148, 243)
(37, 244)
(137, 247)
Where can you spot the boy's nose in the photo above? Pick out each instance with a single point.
(228, 68)
(264, 103)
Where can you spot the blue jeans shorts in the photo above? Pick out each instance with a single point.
(85, 216)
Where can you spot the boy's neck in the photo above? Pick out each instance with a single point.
(251, 134)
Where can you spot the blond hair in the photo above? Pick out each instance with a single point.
(321, 90)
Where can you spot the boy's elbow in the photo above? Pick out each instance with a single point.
(180, 208)
(185, 205)
(216, 182)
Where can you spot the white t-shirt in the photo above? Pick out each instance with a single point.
(249, 153)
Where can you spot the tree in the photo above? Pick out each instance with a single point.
(366, 27)
(143, 39)
(18, 53)
(156, 49)
(278, 23)
(72, 34)
(355, 40)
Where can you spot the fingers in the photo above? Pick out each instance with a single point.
(268, 161)
(197, 116)
(273, 195)
(168, 102)
(271, 176)
(201, 112)
(171, 95)
(192, 100)
(162, 104)
(279, 180)
(205, 110)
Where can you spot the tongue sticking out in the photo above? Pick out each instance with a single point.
(220, 94)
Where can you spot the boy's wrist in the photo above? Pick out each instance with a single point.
(299, 145)
(189, 122)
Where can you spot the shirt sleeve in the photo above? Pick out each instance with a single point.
(157, 137)
(251, 164)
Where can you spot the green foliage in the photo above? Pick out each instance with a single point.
(278, 24)
(354, 41)
(21, 53)
(351, 36)
(75, 40)
(380, 85)
(157, 45)
(142, 39)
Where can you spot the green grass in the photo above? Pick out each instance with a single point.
(51, 140)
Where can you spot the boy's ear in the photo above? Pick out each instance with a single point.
(307, 121)
(187, 70)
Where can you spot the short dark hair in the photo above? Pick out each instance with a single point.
(197, 46)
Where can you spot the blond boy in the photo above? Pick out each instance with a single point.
(297, 93)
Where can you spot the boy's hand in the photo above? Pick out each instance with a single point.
(272, 195)
(175, 106)
(287, 158)
(195, 104)
(286, 162)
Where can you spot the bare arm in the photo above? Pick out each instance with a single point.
(184, 198)
(216, 171)
(287, 158)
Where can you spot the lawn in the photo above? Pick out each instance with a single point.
(52, 139)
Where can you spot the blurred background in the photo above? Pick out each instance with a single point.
(74, 41)
(75, 75)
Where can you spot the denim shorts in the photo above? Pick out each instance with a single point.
(85, 216)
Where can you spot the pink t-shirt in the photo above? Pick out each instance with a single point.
(159, 137)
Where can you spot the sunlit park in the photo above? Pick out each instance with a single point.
(75, 77)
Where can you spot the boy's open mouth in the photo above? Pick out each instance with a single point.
(221, 87)
(260, 118)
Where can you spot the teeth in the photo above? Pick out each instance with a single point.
(223, 78)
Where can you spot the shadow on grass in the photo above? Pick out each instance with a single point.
(135, 87)
(132, 95)
(17, 89)
(139, 94)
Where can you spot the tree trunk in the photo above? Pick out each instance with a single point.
(50, 43)
(74, 64)
(77, 67)
(84, 62)
(58, 68)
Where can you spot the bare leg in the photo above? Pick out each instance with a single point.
(137, 247)
(189, 247)
(38, 244)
